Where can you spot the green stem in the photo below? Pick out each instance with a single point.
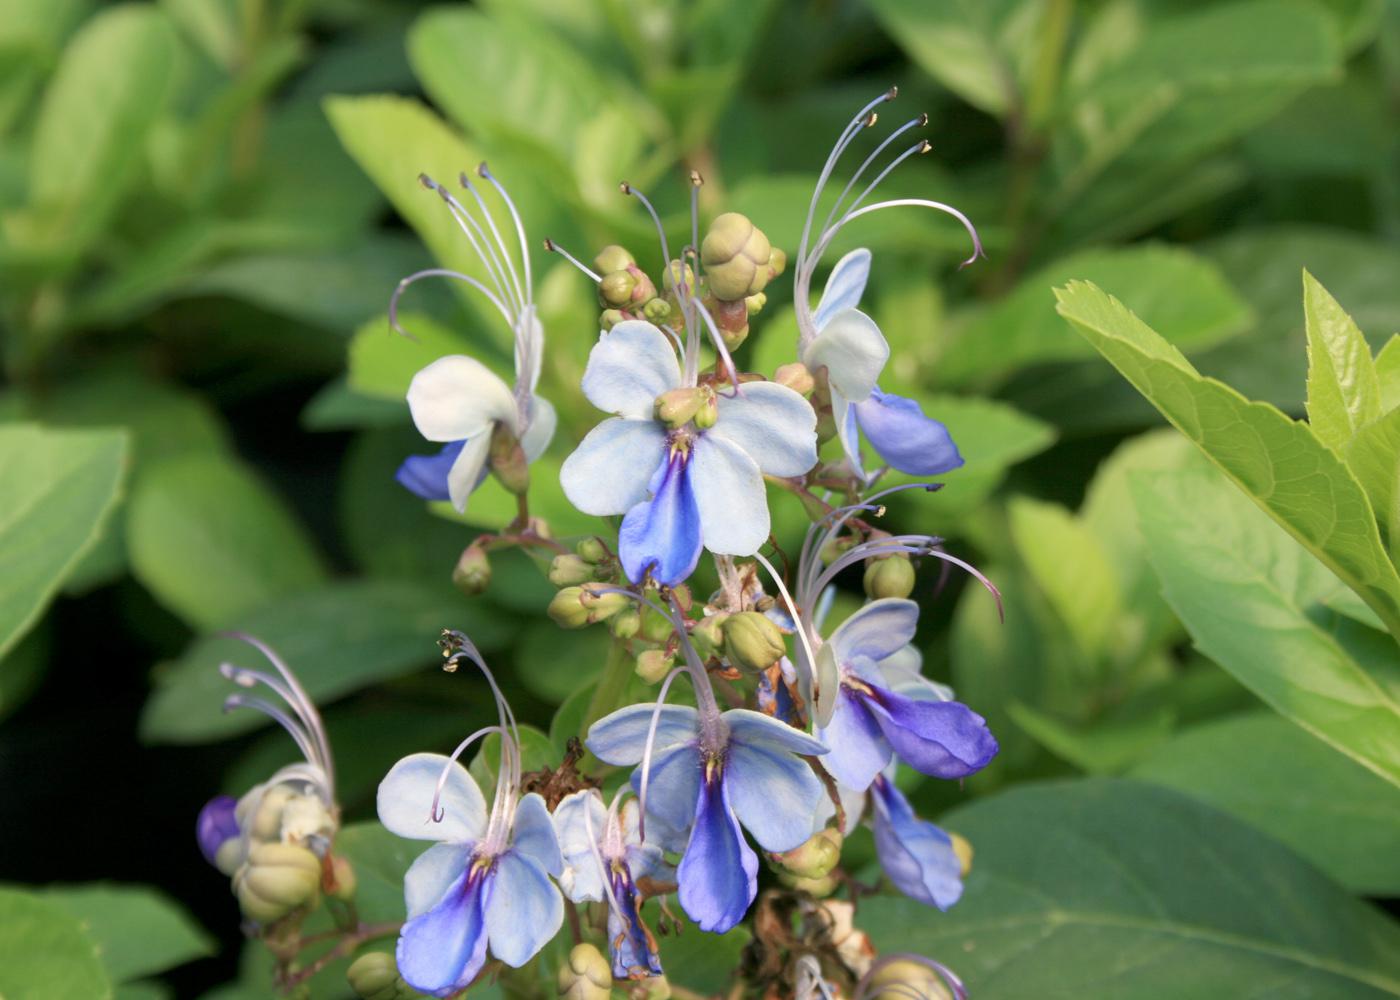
(607, 696)
(1044, 86)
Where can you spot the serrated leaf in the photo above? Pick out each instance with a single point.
(44, 953)
(1071, 569)
(1269, 773)
(212, 542)
(1277, 462)
(139, 931)
(1344, 393)
(1109, 888)
(1254, 601)
(57, 488)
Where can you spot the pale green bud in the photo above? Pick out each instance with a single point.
(609, 318)
(736, 256)
(963, 849)
(777, 263)
(568, 570)
(892, 576)
(472, 574)
(615, 290)
(508, 461)
(752, 642)
(229, 856)
(708, 413)
(656, 627)
(275, 880)
(586, 975)
(902, 979)
(613, 258)
(304, 817)
(708, 635)
(836, 548)
(678, 274)
(375, 976)
(677, 407)
(267, 821)
(815, 857)
(658, 310)
(653, 664)
(796, 377)
(592, 550)
(345, 882)
(567, 610)
(602, 605)
(753, 305)
(819, 887)
(626, 624)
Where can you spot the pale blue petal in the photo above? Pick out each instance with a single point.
(458, 397)
(906, 439)
(432, 874)
(611, 468)
(540, 431)
(859, 751)
(582, 881)
(629, 367)
(774, 794)
(852, 350)
(671, 792)
(767, 733)
(877, 630)
(718, 875)
(468, 471)
(441, 951)
(844, 286)
(426, 475)
(620, 738)
(523, 909)
(917, 856)
(661, 536)
(775, 426)
(534, 836)
(730, 496)
(405, 800)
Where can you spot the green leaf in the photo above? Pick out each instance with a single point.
(1108, 746)
(382, 362)
(1180, 294)
(138, 930)
(1388, 373)
(705, 963)
(1103, 888)
(1277, 462)
(338, 639)
(57, 489)
(44, 953)
(1344, 393)
(380, 860)
(536, 754)
(1269, 773)
(1253, 600)
(213, 543)
(1373, 455)
(1071, 569)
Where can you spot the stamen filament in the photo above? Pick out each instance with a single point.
(553, 247)
(598, 856)
(504, 260)
(475, 236)
(720, 349)
(299, 736)
(809, 656)
(649, 746)
(435, 813)
(918, 122)
(856, 213)
(440, 272)
(300, 703)
(519, 229)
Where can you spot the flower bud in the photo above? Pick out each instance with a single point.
(343, 879)
(654, 664)
(777, 263)
(678, 407)
(676, 275)
(753, 305)
(708, 635)
(815, 858)
(903, 978)
(818, 888)
(963, 849)
(375, 976)
(609, 318)
(472, 574)
(275, 880)
(615, 290)
(508, 461)
(613, 258)
(267, 821)
(602, 604)
(891, 576)
(736, 256)
(753, 642)
(305, 817)
(567, 608)
(796, 377)
(684, 598)
(656, 627)
(836, 548)
(586, 975)
(658, 310)
(569, 570)
(708, 413)
(592, 550)
(625, 624)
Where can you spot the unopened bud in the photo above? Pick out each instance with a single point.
(613, 258)
(586, 975)
(903, 978)
(375, 976)
(963, 849)
(305, 817)
(736, 256)
(677, 407)
(615, 290)
(753, 305)
(275, 880)
(656, 627)
(818, 888)
(654, 664)
(708, 413)
(892, 576)
(684, 598)
(777, 263)
(508, 461)
(592, 550)
(752, 641)
(796, 377)
(678, 274)
(218, 835)
(472, 574)
(567, 610)
(267, 821)
(836, 548)
(343, 877)
(815, 858)
(568, 570)
(626, 624)
(708, 635)
(609, 318)
(602, 604)
(658, 310)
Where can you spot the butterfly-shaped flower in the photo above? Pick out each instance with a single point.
(917, 856)
(682, 486)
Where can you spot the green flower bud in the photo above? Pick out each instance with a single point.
(777, 263)
(567, 608)
(736, 255)
(610, 318)
(708, 412)
(963, 849)
(275, 880)
(796, 377)
(656, 627)
(815, 858)
(752, 642)
(305, 817)
(892, 576)
(602, 605)
(658, 310)
(819, 887)
(626, 624)
(508, 461)
(615, 290)
(681, 592)
(375, 976)
(472, 574)
(568, 570)
(653, 664)
(229, 856)
(592, 550)
(708, 635)
(902, 978)
(345, 882)
(677, 407)
(836, 548)
(753, 305)
(676, 275)
(613, 258)
(586, 975)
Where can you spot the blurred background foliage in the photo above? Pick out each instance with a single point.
(205, 205)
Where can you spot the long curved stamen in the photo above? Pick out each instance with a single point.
(656, 221)
(508, 774)
(710, 724)
(598, 856)
(939, 206)
(863, 987)
(440, 272)
(482, 171)
(553, 247)
(649, 746)
(675, 337)
(497, 245)
(885, 144)
(918, 149)
(300, 702)
(476, 237)
(435, 812)
(299, 736)
(720, 349)
(696, 183)
(912, 545)
(809, 657)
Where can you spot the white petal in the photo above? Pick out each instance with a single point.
(611, 468)
(852, 350)
(529, 346)
(730, 496)
(773, 424)
(405, 800)
(582, 880)
(844, 286)
(843, 414)
(458, 397)
(540, 430)
(629, 367)
(469, 469)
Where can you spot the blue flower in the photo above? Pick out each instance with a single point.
(917, 856)
(216, 826)
(687, 488)
(603, 858)
(485, 881)
(710, 775)
(872, 721)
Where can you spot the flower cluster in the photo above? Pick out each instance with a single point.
(676, 796)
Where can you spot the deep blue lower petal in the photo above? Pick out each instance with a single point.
(859, 750)
(663, 534)
(917, 856)
(909, 441)
(216, 825)
(718, 874)
(442, 950)
(633, 948)
(426, 475)
(945, 739)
